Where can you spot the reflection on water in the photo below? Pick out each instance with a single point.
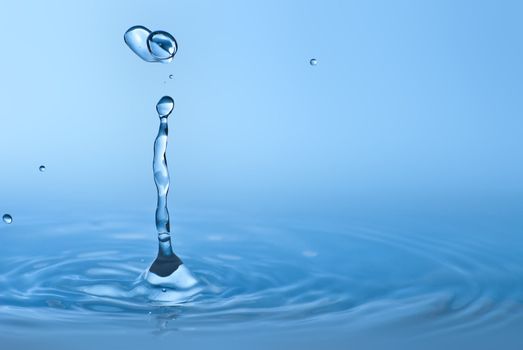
(286, 277)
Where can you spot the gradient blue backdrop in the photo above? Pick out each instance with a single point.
(410, 100)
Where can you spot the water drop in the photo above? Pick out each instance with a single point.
(171, 76)
(41, 168)
(162, 46)
(313, 62)
(164, 290)
(136, 38)
(158, 46)
(7, 218)
(165, 106)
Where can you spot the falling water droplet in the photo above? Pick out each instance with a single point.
(162, 46)
(158, 46)
(165, 106)
(41, 168)
(7, 218)
(171, 76)
(313, 62)
(136, 38)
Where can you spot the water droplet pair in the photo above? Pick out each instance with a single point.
(158, 46)
(8, 218)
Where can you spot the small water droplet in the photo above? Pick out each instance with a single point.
(162, 45)
(164, 290)
(171, 76)
(41, 168)
(313, 62)
(7, 218)
(165, 106)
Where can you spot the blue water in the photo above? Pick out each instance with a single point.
(430, 278)
(343, 174)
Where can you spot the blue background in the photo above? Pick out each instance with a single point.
(410, 102)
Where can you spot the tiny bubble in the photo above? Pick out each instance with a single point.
(313, 62)
(171, 76)
(41, 168)
(164, 290)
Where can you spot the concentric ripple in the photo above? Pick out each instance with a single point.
(250, 276)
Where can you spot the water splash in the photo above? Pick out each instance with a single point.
(167, 270)
(7, 218)
(258, 276)
(158, 46)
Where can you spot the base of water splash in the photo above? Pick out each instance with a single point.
(170, 272)
(165, 265)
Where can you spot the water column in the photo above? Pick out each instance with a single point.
(167, 270)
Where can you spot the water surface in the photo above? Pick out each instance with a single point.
(420, 279)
